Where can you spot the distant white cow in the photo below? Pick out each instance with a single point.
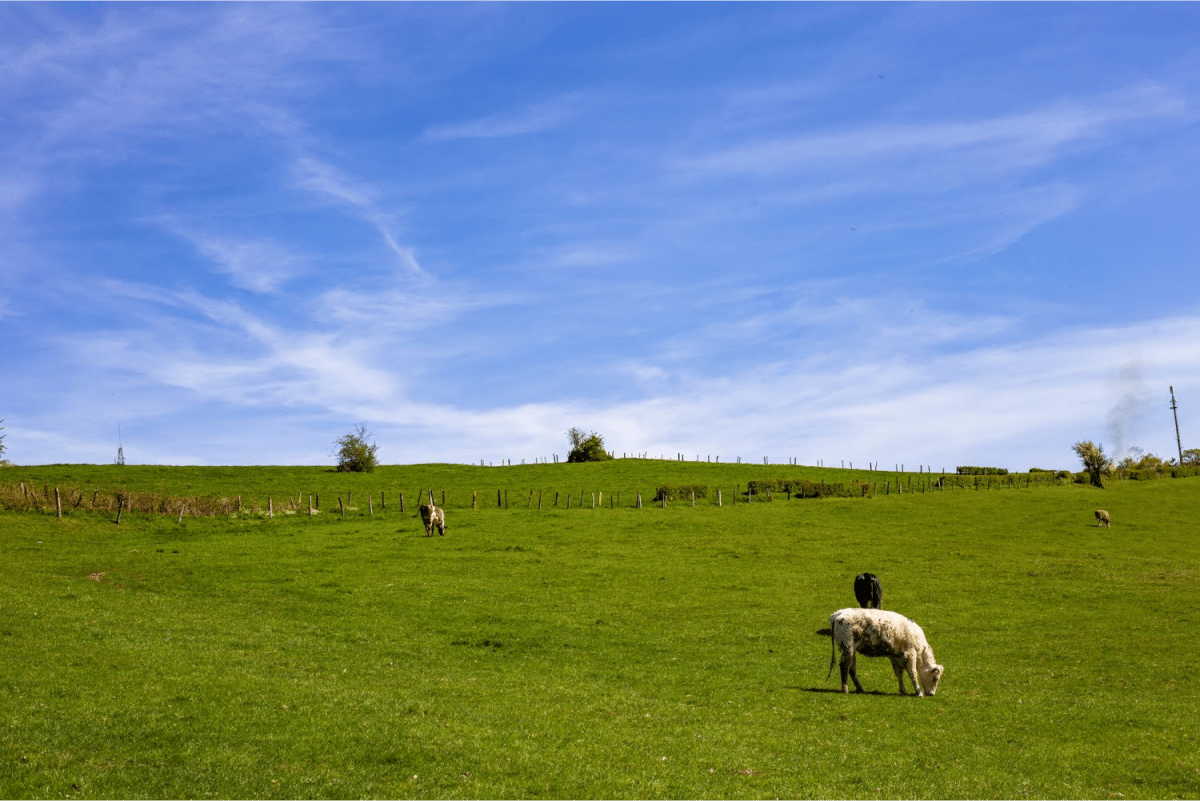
(1102, 518)
(433, 516)
(875, 632)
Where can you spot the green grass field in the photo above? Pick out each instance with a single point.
(607, 652)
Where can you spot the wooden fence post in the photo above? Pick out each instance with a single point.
(569, 500)
(370, 506)
(506, 492)
(474, 497)
(270, 507)
(341, 508)
(719, 497)
(693, 499)
(539, 500)
(182, 508)
(57, 503)
(639, 500)
(498, 503)
(310, 509)
(120, 502)
(401, 503)
(556, 500)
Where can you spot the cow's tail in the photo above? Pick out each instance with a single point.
(833, 656)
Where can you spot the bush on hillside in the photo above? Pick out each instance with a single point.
(1139, 461)
(355, 455)
(586, 447)
(1095, 463)
(681, 492)
(803, 488)
(982, 471)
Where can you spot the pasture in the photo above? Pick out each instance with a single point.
(607, 652)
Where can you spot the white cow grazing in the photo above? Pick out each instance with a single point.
(876, 632)
(433, 517)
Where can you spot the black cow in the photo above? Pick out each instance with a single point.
(867, 590)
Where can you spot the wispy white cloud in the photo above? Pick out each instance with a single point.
(325, 179)
(1009, 141)
(900, 398)
(261, 266)
(533, 119)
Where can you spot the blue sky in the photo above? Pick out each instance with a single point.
(935, 234)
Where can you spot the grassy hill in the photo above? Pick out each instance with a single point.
(613, 652)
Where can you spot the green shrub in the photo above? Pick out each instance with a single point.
(1094, 461)
(982, 471)
(681, 492)
(803, 488)
(586, 447)
(354, 454)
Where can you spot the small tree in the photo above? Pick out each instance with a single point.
(1191, 456)
(586, 447)
(1, 444)
(355, 455)
(1095, 462)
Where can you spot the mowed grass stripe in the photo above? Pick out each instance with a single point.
(623, 653)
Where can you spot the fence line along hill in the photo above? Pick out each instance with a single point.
(636, 483)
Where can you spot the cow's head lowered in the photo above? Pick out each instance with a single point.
(930, 674)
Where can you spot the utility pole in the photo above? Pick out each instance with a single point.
(1178, 444)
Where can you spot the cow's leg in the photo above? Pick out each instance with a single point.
(851, 666)
(912, 674)
(899, 669)
(844, 667)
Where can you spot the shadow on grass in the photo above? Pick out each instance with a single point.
(839, 692)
